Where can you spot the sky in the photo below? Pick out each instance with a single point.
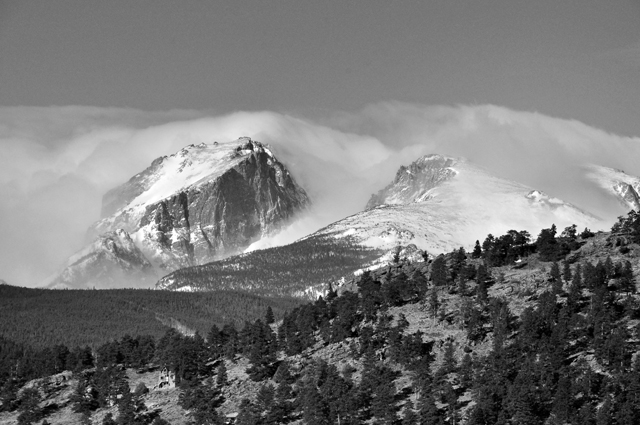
(92, 91)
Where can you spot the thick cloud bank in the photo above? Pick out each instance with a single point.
(56, 163)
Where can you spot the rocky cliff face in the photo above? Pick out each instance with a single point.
(112, 261)
(414, 183)
(203, 203)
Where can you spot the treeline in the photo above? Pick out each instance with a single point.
(44, 318)
(278, 271)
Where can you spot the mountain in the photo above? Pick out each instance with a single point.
(441, 203)
(436, 204)
(624, 187)
(205, 202)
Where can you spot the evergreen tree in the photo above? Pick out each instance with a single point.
(449, 364)
(126, 407)
(266, 396)
(466, 371)
(29, 408)
(439, 271)
(428, 412)
(434, 301)
(108, 419)
(566, 271)
(562, 405)
(477, 250)
(409, 415)
(547, 245)
(221, 378)
(481, 280)
(269, 318)
(556, 277)
(248, 413)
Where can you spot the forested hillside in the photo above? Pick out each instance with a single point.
(43, 317)
(519, 331)
(281, 271)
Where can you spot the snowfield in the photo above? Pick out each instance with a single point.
(452, 206)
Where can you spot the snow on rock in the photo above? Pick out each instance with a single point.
(441, 203)
(204, 202)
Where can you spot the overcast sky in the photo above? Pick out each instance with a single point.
(91, 91)
(569, 58)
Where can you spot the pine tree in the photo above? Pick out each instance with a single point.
(108, 419)
(409, 415)
(429, 413)
(466, 371)
(29, 406)
(434, 302)
(481, 280)
(477, 251)
(221, 378)
(439, 271)
(566, 271)
(449, 363)
(562, 400)
(126, 407)
(556, 277)
(269, 318)
(266, 396)
(248, 413)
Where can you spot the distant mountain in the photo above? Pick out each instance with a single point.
(202, 203)
(436, 204)
(441, 203)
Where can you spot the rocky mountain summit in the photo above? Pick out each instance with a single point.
(440, 203)
(205, 202)
(413, 183)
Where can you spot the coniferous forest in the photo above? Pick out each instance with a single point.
(517, 331)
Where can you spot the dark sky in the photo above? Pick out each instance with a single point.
(571, 58)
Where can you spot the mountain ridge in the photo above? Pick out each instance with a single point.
(204, 202)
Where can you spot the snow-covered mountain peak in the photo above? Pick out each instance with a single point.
(190, 166)
(204, 202)
(440, 203)
(414, 183)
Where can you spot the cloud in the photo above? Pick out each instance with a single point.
(57, 162)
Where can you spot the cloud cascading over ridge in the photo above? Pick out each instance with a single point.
(57, 162)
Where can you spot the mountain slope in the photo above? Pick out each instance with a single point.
(436, 204)
(111, 261)
(441, 203)
(203, 203)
